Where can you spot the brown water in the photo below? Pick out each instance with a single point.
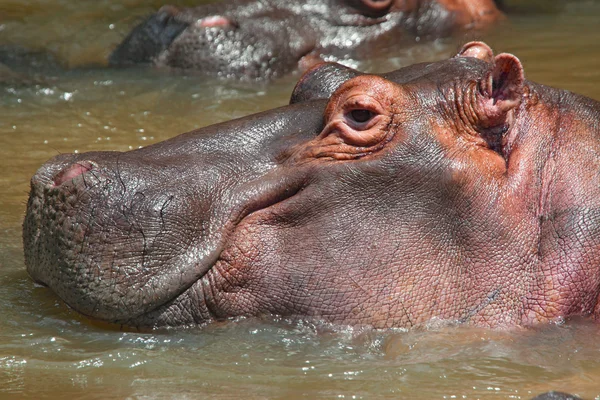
(47, 350)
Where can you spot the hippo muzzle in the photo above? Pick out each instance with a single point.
(117, 235)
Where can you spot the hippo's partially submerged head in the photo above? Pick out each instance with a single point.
(250, 39)
(453, 190)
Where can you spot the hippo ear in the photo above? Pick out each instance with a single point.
(321, 81)
(478, 50)
(501, 89)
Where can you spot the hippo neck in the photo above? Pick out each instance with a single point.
(552, 162)
(539, 136)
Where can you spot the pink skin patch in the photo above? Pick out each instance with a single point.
(308, 61)
(214, 22)
(72, 172)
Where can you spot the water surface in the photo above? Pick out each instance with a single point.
(61, 98)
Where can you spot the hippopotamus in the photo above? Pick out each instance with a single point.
(264, 39)
(453, 191)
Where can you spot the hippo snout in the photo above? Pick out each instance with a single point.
(78, 205)
(149, 39)
(122, 236)
(59, 189)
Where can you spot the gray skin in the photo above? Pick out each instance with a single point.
(263, 39)
(453, 190)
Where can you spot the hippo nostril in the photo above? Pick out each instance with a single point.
(72, 172)
(214, 21)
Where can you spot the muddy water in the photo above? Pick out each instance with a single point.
(61, 99)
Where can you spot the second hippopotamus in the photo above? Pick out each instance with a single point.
(259, 40)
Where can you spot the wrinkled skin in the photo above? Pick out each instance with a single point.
(453, 190)
(262, 39)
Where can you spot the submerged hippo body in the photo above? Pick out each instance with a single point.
(251, 39)
(452, 190)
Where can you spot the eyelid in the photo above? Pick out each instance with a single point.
(362, 102)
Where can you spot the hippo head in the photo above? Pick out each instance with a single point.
(449, 190)
(253, 39)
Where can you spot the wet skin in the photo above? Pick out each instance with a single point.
(250, 39)
(453, 190)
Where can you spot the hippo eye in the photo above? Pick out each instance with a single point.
(361, 116)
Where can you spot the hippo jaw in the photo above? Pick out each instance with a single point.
(117, 235)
